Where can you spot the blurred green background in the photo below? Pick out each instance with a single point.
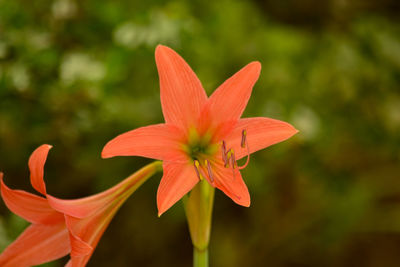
(75, 74)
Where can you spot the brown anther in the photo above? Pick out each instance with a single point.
(233, 159)
(210, 174)
(243, 142)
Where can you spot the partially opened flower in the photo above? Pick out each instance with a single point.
(60, 227)
(202, 138)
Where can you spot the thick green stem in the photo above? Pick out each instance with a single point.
(200, 258)
(198, 207)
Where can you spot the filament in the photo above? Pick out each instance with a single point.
(224, 153)
(210, 174)
(233, 162)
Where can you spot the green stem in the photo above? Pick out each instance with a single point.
(200, 257)
(198, 208)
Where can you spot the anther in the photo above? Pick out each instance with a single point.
(210, 174)
(196, 168)
(243, 142)
(233, 159)
(228, 157)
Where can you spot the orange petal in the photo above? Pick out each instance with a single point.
(229, 100)
(36, 245)
(231, 184)
(261, 133)
(36, 165)
(32, 208)
(87, 206)
(159, 141)
(182, 95)
(178, 179)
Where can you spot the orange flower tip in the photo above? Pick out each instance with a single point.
(106, 152)
(244, 203)
(45, 146)
(160, 213)
(295, 131)
(104, 155)
(162, 209)
(161, 48)
(256, 65)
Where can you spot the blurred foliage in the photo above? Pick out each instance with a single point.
(75, 74)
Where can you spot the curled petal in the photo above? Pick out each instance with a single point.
(86, 233)
(32, 208)
(36, 165)
(182, 95)
(79, 248)
(36, 245)
(88, 218)
(178, 179)
(261, 133)
(158, 141)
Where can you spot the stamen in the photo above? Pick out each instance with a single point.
(233, 160)
(210, 174)
(229, 156)
(224, 153)
(196, 168)
(243, 142)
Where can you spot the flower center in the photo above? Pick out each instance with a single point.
(200, 152)
(199, 147)
(197, 150)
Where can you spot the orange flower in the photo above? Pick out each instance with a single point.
(60, 227)
(201, 137)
